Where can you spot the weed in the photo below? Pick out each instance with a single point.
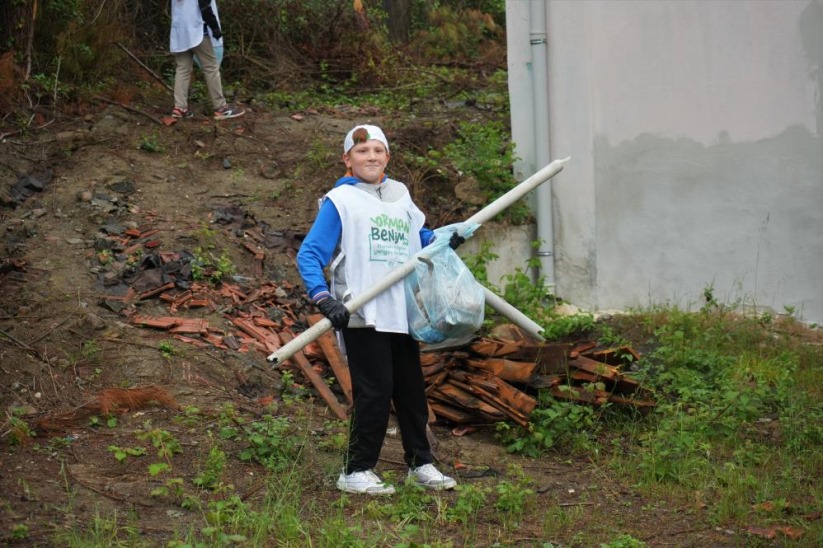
(162, 440)
(272, 442)
(157, 468)
(513, 499)
(410, 505)
(166, 348)
(19, 431)
(477, 263)
(150, 143)
(91, 351)
(555, 423)
(206, 237)
(624, 541)
(105, 257)
(207, 266)
(172, 487)
(530, 297)
(100, 531)
(293, 392)
(190, 416)
(212, 470)
(122, 453)
(318, 153)
(470, 500)
(20, 531)
(557, 518)
(335, 436)
(483, 152)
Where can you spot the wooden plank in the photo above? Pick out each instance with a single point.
(451, 413)
(634, 402)
(316, 380)
(598, 368)
(582, 348)
(546, 381)
(267, 338)
(336, 360)
(434, 382)
(507, 370)
(621, 355)
(504, 392)
(512, 412)
(466, 400)
(576, 393)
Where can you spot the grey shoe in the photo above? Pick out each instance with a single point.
(430, 477)
(225, 112)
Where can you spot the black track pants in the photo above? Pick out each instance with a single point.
(385, 367)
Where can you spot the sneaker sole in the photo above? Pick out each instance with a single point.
(218, 118)
(346, 489)
(437, 487)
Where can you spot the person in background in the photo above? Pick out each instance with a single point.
(194, 26)
(373, 225)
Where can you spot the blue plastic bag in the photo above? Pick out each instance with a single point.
(443, 299)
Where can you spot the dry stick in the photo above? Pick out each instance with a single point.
(130, 109)
(56, 79)
(49, 332)
(139, 62)
(30, 41)
(21, 344)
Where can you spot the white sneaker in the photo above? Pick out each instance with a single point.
(430, 477)
(366, 483)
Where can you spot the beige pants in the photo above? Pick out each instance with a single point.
(211, 72)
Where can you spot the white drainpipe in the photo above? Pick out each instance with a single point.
(540, 87)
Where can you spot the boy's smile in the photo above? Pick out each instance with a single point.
(367, 161)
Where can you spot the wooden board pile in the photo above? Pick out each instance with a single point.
(491, 380)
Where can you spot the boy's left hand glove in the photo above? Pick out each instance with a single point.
(456, 240)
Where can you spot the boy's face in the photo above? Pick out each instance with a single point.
(367, 161)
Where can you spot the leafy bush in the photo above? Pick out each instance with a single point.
(554, 424)
(484, 152)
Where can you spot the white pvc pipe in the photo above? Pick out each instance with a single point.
(485, 214)
(514, 315)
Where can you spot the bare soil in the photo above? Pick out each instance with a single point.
(201, 184)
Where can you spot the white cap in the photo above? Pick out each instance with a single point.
(373, 132)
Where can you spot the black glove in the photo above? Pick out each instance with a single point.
(335, 312)
(456, 240)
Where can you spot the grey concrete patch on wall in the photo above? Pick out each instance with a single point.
(511, 244)
(676, 217)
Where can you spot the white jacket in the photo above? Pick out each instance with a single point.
(187, 25)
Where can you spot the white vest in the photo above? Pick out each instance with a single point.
(377, 238)
(187, 25)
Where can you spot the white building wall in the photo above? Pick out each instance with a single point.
(694, 129)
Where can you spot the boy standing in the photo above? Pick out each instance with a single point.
(194, 23)
(373, 224)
